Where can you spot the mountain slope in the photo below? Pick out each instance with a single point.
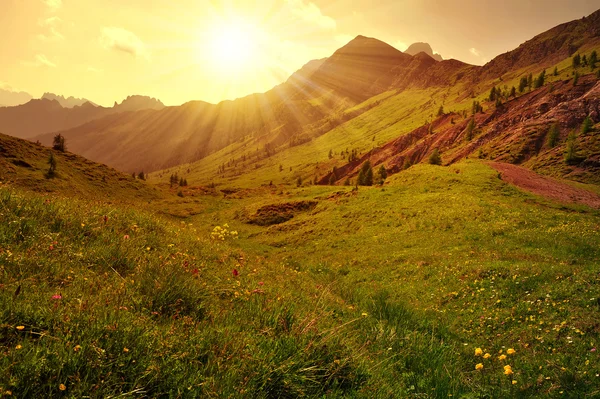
(547, 48)
(25, 165)
(310, 103)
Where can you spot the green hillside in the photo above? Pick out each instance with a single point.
(25, 165)
(380, 292)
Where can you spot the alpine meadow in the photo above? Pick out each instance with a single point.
(300, 204)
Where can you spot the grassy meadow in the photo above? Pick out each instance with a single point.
(445, 282)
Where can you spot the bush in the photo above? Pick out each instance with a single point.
(435, 158)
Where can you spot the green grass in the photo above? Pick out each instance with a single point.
(384, 292)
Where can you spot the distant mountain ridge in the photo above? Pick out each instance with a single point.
(417, 48)
(69, 102)
(11, 98)
(48, 114)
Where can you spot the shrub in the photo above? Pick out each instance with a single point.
(435, 158)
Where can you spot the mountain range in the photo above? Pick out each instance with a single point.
(142, 134)
(55, 113)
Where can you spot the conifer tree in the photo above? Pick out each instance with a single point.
(382, 174)
(553, 135)
(365, 176)
(571, 156)
(576, 61)
(470, 130)
(539, 81)
(593, 60)
(522, 84)
(586, 126)
(52, 164)
(59, 143)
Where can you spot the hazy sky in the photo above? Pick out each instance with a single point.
(182, 50)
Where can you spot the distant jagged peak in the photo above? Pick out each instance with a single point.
(421, 47)
(138, 102)
(66, 102)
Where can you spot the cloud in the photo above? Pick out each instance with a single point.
(53, 34)
(40, 61)
(123, 40)
(54, 5)
(475, 52)
(311, 13)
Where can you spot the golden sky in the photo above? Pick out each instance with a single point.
(182, 50)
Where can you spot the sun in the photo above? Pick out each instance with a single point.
(232, 45)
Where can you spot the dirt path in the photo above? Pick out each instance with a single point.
(544, 186)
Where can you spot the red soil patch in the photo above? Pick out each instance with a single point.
(545, 186)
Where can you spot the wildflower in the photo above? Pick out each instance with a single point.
(593, 350)
(508, 370)
(20, 328)
(62, 387)
(364, 314)
(261, 283)
(502, 357)
(514, 382)
(125, 350)
(487, 356)
(18, 347)
(57, 296)
(511, 351)
(235, 273)
(126, 237)
(478, 352)
(77, 348)
(479, 366)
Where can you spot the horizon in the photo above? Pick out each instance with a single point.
(221, 51)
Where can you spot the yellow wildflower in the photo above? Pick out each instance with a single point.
(514, 382)
(502, 357)
(511, 351)
(508, 370)
(479, 366)
(487, 356)
(18, 347)
(125, 350)
(20, 328)
(62, 387)
(478, 352)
